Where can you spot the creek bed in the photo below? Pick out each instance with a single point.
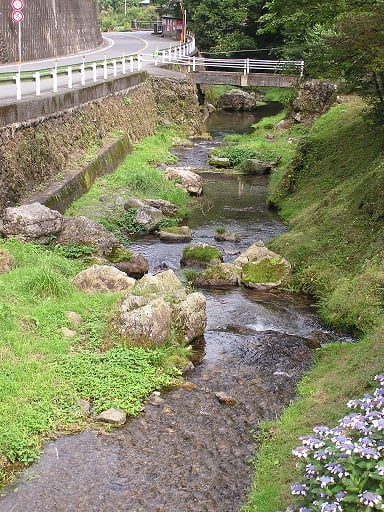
(190, 451)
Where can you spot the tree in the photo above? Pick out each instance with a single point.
(342, 40)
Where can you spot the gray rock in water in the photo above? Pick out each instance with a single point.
(113, 416)
(176, 234)
(148, 217)
(186, 179)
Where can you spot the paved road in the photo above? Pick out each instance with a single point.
(116, 44)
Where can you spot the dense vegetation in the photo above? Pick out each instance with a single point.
(328, 188)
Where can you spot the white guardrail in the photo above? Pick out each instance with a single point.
(92, 72)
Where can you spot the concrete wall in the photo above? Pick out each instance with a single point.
(51, 28)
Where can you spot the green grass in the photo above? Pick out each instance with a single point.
(331, 197)
(43, 373)
(137, 176)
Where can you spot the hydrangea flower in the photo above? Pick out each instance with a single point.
(370, 498)
(343, 467)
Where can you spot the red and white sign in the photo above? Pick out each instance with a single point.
(17, 16)
(17, 5)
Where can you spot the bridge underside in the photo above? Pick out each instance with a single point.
(241, 80)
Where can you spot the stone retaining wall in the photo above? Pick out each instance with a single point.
(49, 147)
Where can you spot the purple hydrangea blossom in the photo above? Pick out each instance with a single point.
(325, 480)
(330, 507)
(370, 498)
(357, 442)
(299, 489)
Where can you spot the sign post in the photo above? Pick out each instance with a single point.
(17, 17)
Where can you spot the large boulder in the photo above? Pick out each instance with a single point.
(190, 316)
(136, 266)
(84, 231)
(103, 278)
(186, 179)
(157, 308)
(257, 167)
(219, 276)
(237, 99)
(314, 99)
(31, 222)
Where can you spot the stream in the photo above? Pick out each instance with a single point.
(189, 451)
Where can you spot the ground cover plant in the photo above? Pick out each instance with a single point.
(331, 197)
(44, 373)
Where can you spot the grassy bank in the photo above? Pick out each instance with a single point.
(48, 362)
(331, 197)
(137, 177)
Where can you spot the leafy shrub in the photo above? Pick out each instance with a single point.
(344, 466)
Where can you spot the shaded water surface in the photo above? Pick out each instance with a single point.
(190, 451)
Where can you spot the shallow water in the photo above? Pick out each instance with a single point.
(192, 452)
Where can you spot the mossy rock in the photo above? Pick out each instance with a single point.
(265, 274)
(119, 254)
(200, 255)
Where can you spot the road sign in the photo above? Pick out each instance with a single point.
(17, 5)
(17, 16)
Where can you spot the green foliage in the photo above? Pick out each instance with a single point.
(330, 197)
(338, 40)
(226, 26)
(74, 251)
(201, 253)
(120, 377)
(122, 226)
(236, 154)
(43, 373)
(135, 177)
(119, 254)
(265, 271)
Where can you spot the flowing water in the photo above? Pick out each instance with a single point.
(190, 452)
